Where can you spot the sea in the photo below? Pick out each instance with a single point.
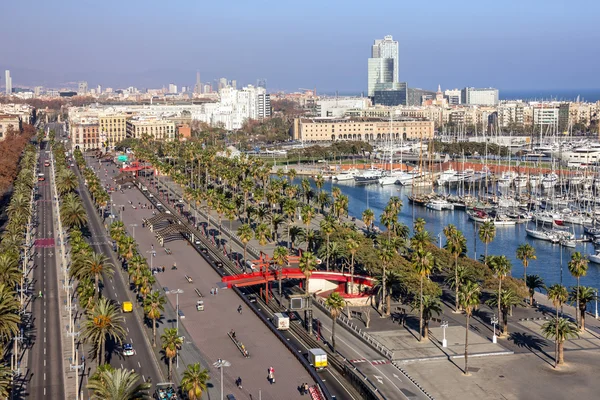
(552, 259)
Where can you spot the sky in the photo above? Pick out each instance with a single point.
(509, 44)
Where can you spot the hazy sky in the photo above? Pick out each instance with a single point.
(508, 44)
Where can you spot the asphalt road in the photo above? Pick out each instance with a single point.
(45, 354)
(117, 290)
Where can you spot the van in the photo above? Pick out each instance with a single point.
(127, 306)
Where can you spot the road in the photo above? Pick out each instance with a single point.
(388, 379)
(116, 289)
(45, 354)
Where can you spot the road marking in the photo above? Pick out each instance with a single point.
(116, 294)
(121, 366)
(44, 362)
(44, 351)
(144, 378)
(139, 365)
(44, 376)
(44, 329)
(378, 378)
(127, 329)
(131, 340)
(397, 377)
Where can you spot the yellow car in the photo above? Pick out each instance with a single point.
(127, 306)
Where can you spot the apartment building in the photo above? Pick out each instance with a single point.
(370, 130)
(155, 128)
(9, 123)
(113, 128)
(85, 133)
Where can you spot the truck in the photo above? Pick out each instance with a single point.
(281, 322)
(317, 358)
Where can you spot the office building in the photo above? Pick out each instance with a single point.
(369, 130)
(207, 88)
(222, 83)
(172, 88)
(264, 105)
(546, 115)
(152, 127)
(198, 86)
(85, 133)
(387, 48)
(453, 96)
(234, 84)
(37, 90)
(479, 96)
(382, 67)
(82, 88)
(8, 82)
(261, 83)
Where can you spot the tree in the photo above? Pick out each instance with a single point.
(335, 303)
(6, 377)
(9, 313)
(469, 300)
(194, 381)
(104, 321)
(171, 342)
(385, 255)
(501, 266)
(245, 233)
(423, 265)
(352, 245)
(307, 213)
(262, 234)
(559, 329)
(533, 282)
(153, 305)
(118, 384)
(96, 267)
(280, 258)
(526, 252)
(505, 300)
(558, 294)
(431, 305)
(307, 264)
(368, 217)
(585, 294)
(487, 233)
(456, 245)
(578, 267)
(327, 228)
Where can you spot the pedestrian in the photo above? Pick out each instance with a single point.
(163, 268)
(239, 382)
(212, 291)
(216, 291)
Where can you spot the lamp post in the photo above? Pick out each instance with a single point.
(444, 325)
(133, 226)
(221, 364)
(121, 207)
(151, 257)
(494, 321)
(176, 292)
(439, 235)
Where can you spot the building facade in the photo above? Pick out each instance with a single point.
(369, 130)
(7, 82)
(387, 48)
(383, 67)
(479, 97)
(155, 128)
(112, 129)
(9, 123)
(85, 134)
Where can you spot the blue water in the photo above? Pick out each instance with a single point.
(508, 238)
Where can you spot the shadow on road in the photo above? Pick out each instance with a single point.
(532, 343)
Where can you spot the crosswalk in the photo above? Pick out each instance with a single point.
(373, 362)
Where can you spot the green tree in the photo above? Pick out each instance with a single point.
(533, 282)
(153, 305)
(368, 217)
(352, 245)
(487, 233)
(586, 295)
(501, 267)
(526, 252)
(308, 264)
(431, 305)
(171, 343)
(469, 301)
(307, 213)
(578, 267)
(245, 233)
(560, 329)
(385, 254)
(505, 300)
(104, 321)
(262, 234)
(194, 381)
(118, 384)
(9, 313)
(327, 227)
(558, 294)
(280, 258)
(423, 265)
(456, 245)
(335, 303)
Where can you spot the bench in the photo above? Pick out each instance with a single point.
(189, 279)
(239, 345)
(168, 251)
(198, 292)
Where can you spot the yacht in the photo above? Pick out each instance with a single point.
(595, 258)
(506, 178)
(549, 180)
(391, 177)
(347, 175)
(439, 205)
(503, 220)
(370, 175)
(521, 181)
(408, 178)
(463, 175)
(586, 155)
(446, 176)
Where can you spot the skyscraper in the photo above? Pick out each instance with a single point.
(8, 82)
(82, 88)
(261, 83)
(383, 65)
(198, 87)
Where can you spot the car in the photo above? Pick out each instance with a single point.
(181, 314)
(128, 350)
(150, 195)
(127, 306)
(197, 242)
(252, 298)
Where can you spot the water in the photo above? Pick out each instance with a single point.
(508, 238)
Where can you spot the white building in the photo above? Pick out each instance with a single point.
(172, 88)
(337, 108)
(8, 82)
(511, 112)
(453, 96)
(546, 115)
(479, 96)
(383, 66)
(82, 88)
(387, 48)
(264, 106)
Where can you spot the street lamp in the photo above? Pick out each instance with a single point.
(121, 207)
(440, 239)
(151, 257)
(494, 321)
(221, 364)
(176, 292)
(133, 226)
(444, 325)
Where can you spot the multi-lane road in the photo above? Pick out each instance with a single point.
(45, 354)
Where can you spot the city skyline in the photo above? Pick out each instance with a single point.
(508, 45)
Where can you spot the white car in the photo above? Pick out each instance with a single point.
(128, 350)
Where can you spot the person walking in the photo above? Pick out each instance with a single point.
(239, 309)
(239, 382)
(216, 291)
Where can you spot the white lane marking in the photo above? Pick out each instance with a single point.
(44, 376)
(121, 366)
(44, 351)
(127, 329)
(116, 294)
(139, 365)
(144, 378)
(44, 362)
(131, 340)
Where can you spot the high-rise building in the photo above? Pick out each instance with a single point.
(207, 88)
(8, 82)
(82, 88)
(234, 84)
(453, 96)
(479, 96)
(261, 83)
(222, 83)
(198, 87)
(37, 90)
(383, 66)
(172, 88)
(264, 105)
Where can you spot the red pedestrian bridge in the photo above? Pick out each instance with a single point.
(134, 167)
(256, 278)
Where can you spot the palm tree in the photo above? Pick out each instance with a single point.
(578, 267)
(319, 181)
(245, 233)
(276, 221)
(487, 233)
(533, 282)
(352, 245)
(505, 300)
(526, 252)
(171, 342)
(118, 384)
(558, 294)
(368, 217)
(469, 300)
(10, 274)
(385, 255)
(96, 267)
(585, 294)
(455, 244)
(194, 381)
(423, 264)
(153, 305)
(9, 313)
(335, 303)
(307, 264)
(501, 266)
(294, 232)
(262, 234)
(307, 213)
(73, 213)
(327, 228)
(560, 329)
(431, 305)
(66, 181)
(6, 377)
(280, 258)
(104, 321)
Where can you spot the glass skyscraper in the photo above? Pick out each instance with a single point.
(383, 65)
